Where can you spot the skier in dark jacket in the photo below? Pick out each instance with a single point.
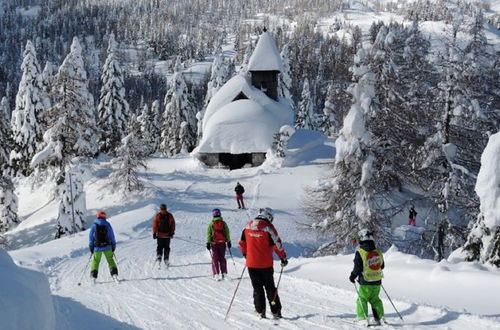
(163, 231)
(102, 241)
(368, 265)
(218, 236)
(239, 190)
(411, 217)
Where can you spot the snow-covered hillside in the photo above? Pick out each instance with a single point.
(315, 292)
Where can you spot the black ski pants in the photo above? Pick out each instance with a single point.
(263, 278)
(163, 248)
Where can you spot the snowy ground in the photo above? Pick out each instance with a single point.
(315, 292)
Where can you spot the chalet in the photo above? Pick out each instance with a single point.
(244, 115)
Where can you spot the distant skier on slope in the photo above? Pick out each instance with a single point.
(102, 241)
(411, 217)
(239, 195)
(163, 231)
(217, 236)
(368, 265)
(258, 241)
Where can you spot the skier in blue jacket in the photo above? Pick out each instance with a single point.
(102, 241)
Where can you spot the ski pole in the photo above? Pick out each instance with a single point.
(359, 301)
(85, 269)
(273, 302)
(234, 294)
(231, 254)
(392, 303)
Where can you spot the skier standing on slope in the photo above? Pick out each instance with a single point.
(368, 265)
(239, 190)
(102, 241)
(411, 217)
(258, 241)
(163, 231)
(217, 237)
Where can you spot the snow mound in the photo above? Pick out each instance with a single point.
(26, 301)
(305, 146)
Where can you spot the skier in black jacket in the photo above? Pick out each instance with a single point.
(239, 195)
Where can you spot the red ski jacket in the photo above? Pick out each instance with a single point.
(258, 241)
(156, 224)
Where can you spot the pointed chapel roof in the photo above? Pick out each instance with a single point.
(266, 56)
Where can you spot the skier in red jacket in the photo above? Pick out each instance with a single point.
(258, 241)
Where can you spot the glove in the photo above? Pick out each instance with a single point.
(229, 244)
(284, 262)
(245, 256)
(154, 235)
(171, 236)
(113, 248)
(91, 250)
(209, 246)
(352, 278)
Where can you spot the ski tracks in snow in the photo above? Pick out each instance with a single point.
(185, 296)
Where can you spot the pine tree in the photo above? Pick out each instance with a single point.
(285, 79)
(8, 203)
(130, 157)
(5, 110)
(113, 108)
(72, 119)
(464, 115)
(148, 130)
(157, 124)
(483, 243)
(72, 207)
(27, 123)
(5, 134)
(178, 109)
(305, 115)
(332, 117)
(218, 78)
(347, 200)
(281, 140)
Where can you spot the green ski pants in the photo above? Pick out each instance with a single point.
(369, 294)
(96, 260)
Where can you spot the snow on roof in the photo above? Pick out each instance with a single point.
(266, 56)
(241, 84)
(242, 126)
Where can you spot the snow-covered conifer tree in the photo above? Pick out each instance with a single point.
(218, 77)
(148, 129)
(113, 108)
(464, 113)
(305, 112)
(27, 121)
(246, 57)
(483, 243)
(48, 75)
(8, 203)
(157, 124)
(281, 140)
(346, 202)
(72, 119)
(72, 207)
(332, 117)
(5, 134)
(285, 78)
(5, 109)
(129, 159)
(178, 109)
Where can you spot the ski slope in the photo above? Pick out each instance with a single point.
(315, 292)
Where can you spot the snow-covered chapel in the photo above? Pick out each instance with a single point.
(244, 115)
